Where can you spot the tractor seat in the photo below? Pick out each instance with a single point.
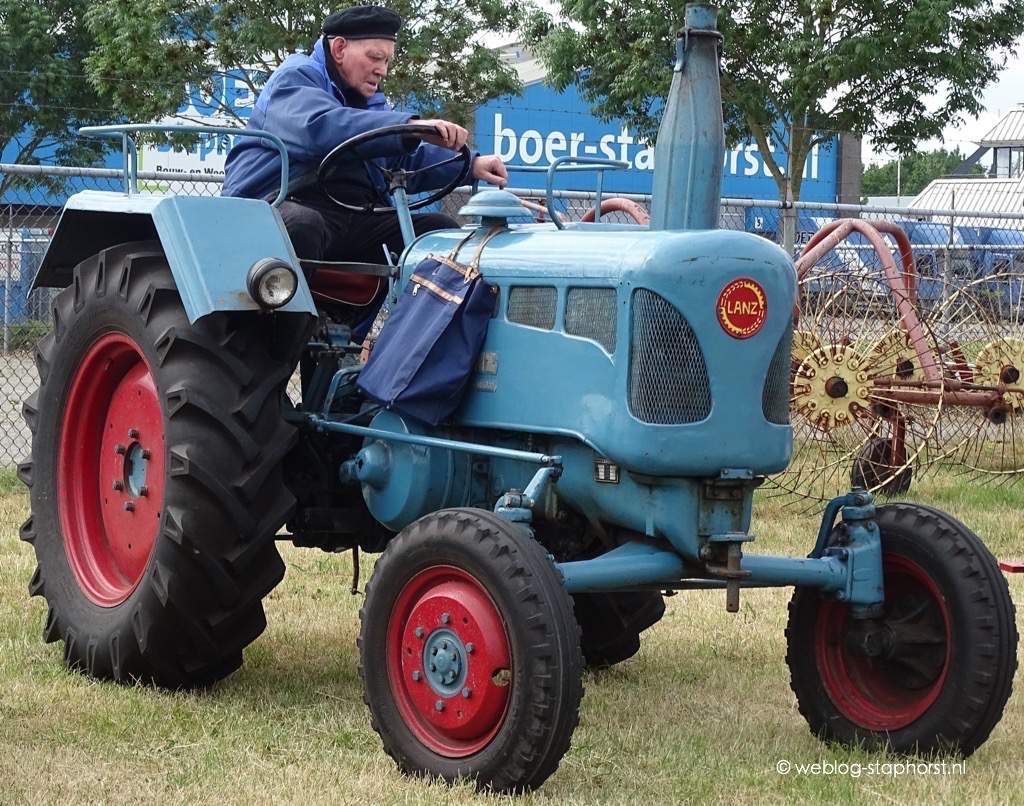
(345, 282)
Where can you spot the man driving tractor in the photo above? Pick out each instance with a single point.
(315, 102)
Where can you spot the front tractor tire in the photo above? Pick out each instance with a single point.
(932, 672)
(154, 476)
(469, 652)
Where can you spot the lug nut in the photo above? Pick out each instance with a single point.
(445, 618)
(129, 506)
(133, 433)
(439, 705)
(418, 632)
(433, 651)
(416, 677)
(143, 490)
(469, 649)
(466, 692)
(118, 485)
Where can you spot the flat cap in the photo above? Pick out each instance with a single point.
(363, 22)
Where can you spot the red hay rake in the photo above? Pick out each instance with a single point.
(894, 373)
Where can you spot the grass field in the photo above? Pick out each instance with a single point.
(703, 713)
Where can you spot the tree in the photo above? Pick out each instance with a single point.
(147, 61)
(916, 170)
(45, 95)
(794, 72)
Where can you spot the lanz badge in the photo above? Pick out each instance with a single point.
(742, 308)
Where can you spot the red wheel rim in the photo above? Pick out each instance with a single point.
(110, 469)
(457, 709)
(894, 684)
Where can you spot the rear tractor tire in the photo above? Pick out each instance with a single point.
(611, 623)
(933, 672)
(469, 652)
(154, 477)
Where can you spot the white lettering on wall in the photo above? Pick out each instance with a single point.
(532, 146)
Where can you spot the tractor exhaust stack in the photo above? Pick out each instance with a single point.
(691, 140)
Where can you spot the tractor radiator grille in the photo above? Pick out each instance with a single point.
(668, 379)
(775, 398)
(533, 306)
(590, 313)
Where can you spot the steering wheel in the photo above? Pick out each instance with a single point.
(333, 165)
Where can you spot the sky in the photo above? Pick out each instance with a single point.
(998, 99)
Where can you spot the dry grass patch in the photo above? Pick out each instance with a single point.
(704, 713)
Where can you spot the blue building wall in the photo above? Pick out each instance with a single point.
(542, 124)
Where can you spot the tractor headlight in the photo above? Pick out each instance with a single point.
(272, 282)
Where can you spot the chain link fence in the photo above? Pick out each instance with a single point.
(950, 247)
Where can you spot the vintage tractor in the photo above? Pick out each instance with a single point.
(632, 392)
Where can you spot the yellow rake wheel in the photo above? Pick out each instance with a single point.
(855, 376)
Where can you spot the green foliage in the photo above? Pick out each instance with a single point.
(9, 481)
(45, 94)
(863, 66)
(146, 60)
(24, 335)
(916, 170)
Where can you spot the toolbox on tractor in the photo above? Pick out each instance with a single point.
(631, 393)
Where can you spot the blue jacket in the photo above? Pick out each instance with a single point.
(302, 105)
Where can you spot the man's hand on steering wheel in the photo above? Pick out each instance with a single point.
(449, 135)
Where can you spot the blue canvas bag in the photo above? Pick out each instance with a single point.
(428, 347)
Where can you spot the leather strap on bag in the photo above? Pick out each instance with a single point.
(471, 271)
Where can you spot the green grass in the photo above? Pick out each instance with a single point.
(703, 713)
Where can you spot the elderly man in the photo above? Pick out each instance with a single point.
(315, 102)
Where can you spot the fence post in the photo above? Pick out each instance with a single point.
(947, 269)
(8, 268)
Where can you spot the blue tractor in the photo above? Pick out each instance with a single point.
(631, 394)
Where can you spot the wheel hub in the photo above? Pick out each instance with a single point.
(1000, 363)
(829, 386)
(449, 661)
(894, 358)
(445, 661)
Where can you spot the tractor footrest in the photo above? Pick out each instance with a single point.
(1012, 567)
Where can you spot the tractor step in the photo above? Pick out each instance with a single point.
(1012, 567)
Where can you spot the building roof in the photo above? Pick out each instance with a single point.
(1009, 131)
(527, 66)
(973, 194)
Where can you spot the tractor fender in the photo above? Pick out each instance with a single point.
(211, 243)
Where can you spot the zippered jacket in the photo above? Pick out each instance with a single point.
(312, 111)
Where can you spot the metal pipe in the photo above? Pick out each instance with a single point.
(827, 573)
(627, 566)
(727, 201)
(7, 277)
(404, 216)
(634, 565)
(433, 442)
(948, 398)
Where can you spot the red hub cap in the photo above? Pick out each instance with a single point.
(110, 469)
(884, 673)
(449, 662)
